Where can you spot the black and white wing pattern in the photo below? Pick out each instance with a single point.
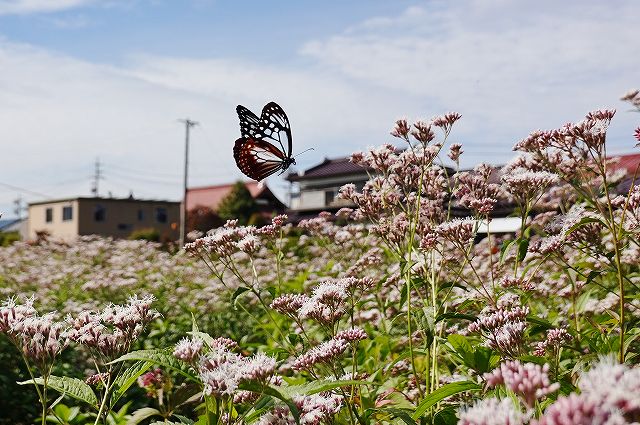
(266, 144)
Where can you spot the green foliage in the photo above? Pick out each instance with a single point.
(72, 387)
(238, 204)
(7, 238)
(149, 234)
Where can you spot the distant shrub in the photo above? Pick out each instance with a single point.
(148, 234)
(202, 219)
(238, 204)
(7, 238)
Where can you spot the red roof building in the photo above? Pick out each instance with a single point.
(211, 196)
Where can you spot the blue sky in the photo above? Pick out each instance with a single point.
(81, 79)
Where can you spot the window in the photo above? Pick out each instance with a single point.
(100, 213)
(329, 196)
(48, 215)
(161, 215)
(140, 215)
(67, 213)
(123, 226)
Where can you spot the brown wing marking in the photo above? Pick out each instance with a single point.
(253, 158)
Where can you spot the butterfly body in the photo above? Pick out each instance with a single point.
(266, 144)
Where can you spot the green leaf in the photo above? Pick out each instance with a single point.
(73, 387)
(204, 337)
(463, 316)
(583, 221)
(445, 417)
(127, 378)
(273, 392)
(241, 290)
(142, 414)
(293, 338)
(319, 387)
(504, 249)
(183, 419)
(194, 324)
(523, 245)
(160, 357)
(442, 393)
(400, 414)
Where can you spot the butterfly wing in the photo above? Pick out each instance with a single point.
(256, 158)
(260, 151)
(249, 122)
(274, 128)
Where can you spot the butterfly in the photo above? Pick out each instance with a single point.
(265, 146)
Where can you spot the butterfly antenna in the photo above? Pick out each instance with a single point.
(306, 150)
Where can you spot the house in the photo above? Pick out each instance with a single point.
(211, 196)
(115, 217)
(16, 225)
(317, 187)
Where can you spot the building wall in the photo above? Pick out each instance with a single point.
(57, 227)
(321, 193)
(121, 217)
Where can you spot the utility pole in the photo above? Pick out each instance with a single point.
(183, 213)
(97, 176)
(17, 209)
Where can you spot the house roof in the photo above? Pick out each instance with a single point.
(211, 196)
(329, 168)
(628, 162)
(100, 199)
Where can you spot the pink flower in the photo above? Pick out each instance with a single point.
(323, 353)
(352, 335)
(578, 410)
(529, 381)
(455, 150)
(289, 304)
(188, 350)
(401, 129)
(491, 411)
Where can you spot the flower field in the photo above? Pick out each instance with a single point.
(398, 310)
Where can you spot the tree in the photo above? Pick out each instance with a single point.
(238, 204)
(202, 219)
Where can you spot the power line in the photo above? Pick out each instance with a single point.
(22, 189)
(97, 176)
(141, 179)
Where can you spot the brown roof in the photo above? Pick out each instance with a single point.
(329, 168)
(211, 196)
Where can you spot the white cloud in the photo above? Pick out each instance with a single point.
(19, 7)
(59, 113)
(508, 67)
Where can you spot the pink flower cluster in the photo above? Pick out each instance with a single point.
(609, 394)
(111, 332)
(492, 411)
(221, 370)
(503, 328)
(555, 338)
(231, 238)
(188, 349)
(475, 190)
(314, 409)
(40, 338)
(529, 381)
(329, 350)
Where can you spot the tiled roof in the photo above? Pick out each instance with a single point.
(628, 162)
(211, 196)
(329, 168)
